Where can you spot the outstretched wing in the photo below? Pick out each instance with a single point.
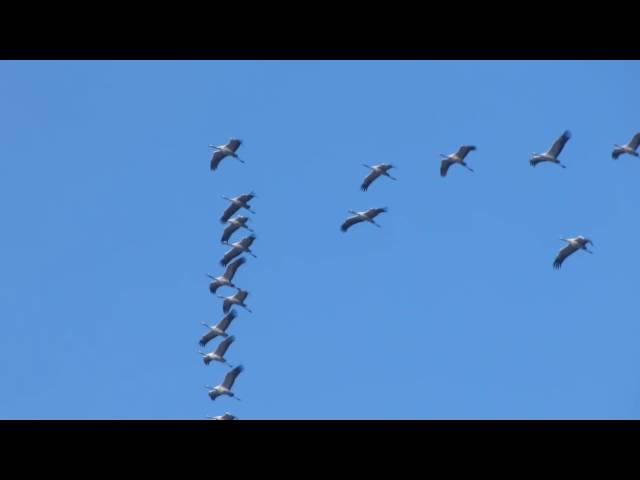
(234, 144)
(226, 305)
(233, 267)
(635, 141)
(562, 255)
(369, 179)
(230, 255)
(349, 222)
(228, 231)
(213, 286)
(231, 209)
(231, 376)
(616, 153)
(241, 295)
(216, 158)
(374, 212)
(444, 167)
(464, 150)
(559, 144)
(224, 345)
(226, 321)
(246, 197)
(536, 160)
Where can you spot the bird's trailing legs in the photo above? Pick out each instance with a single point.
(467, 167)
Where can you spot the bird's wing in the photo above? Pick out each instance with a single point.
(247, 241)
(213, 286)
(231, 376)
(228, 231)
(349, 222)
(369, 179)
(231, 209)
(616, 153)
(444, 167)
(207, 337)
(241, 295)
(224, 345)
(226, 305)
(234, 144)
(226, 321)
(635, 141)
(230, 255)
(536, 160)
(559, 144)
(233, 267)
(216, 158)
(245, 198)
(563, 254)
(464, 150)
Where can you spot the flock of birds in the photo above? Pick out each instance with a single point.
(231, 261)
(376, 171)
(573, 244)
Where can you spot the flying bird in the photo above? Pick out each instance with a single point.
(224, 151)
(227, 384)
(219, 329)
(554, 151)
(631, 148)
(573, 245)
(237, 298)
(236, 204)
(376, 171)
(457, 157)
(226, 416)
(225, 280)
(233, 225)
(218, 354)
(237, 249)
(358, 217)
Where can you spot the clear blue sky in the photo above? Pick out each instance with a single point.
(452, 310)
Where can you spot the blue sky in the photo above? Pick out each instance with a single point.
(451, 310)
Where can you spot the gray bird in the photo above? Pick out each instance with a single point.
(376, 171)
(573, 245)
(552, 154)
(218, 354)
(224, 151)
(227, 384)
(237, 249)
(226, 279)
(233, 225)
(631, 148)
(457, 157)
(237, 298)
(219, 329)
(358, 217)
(237, 203)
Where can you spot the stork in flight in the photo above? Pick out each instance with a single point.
(237, 298)
(358, 217)
(233, 225)
(573, 245)
(218, 354)
(223, 151)
(226, 279)
(376, 171)
(226, 416)
(227, 384)
(631, 148)
(552, 154)
(237, 203)
(219, 329)
(237, 249)
(457, 157)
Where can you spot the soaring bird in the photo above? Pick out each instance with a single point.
(237, 298)
(226, 416)
(630, 148)
(227, 384)
(457, 157)
(573, 245)
(236, 204)
(219, 329)
(376, 171)
(218, 354)
(358, 217)
(226, 278)
(223, 151)
(552, 154)
(233, 225)
(237, 249)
